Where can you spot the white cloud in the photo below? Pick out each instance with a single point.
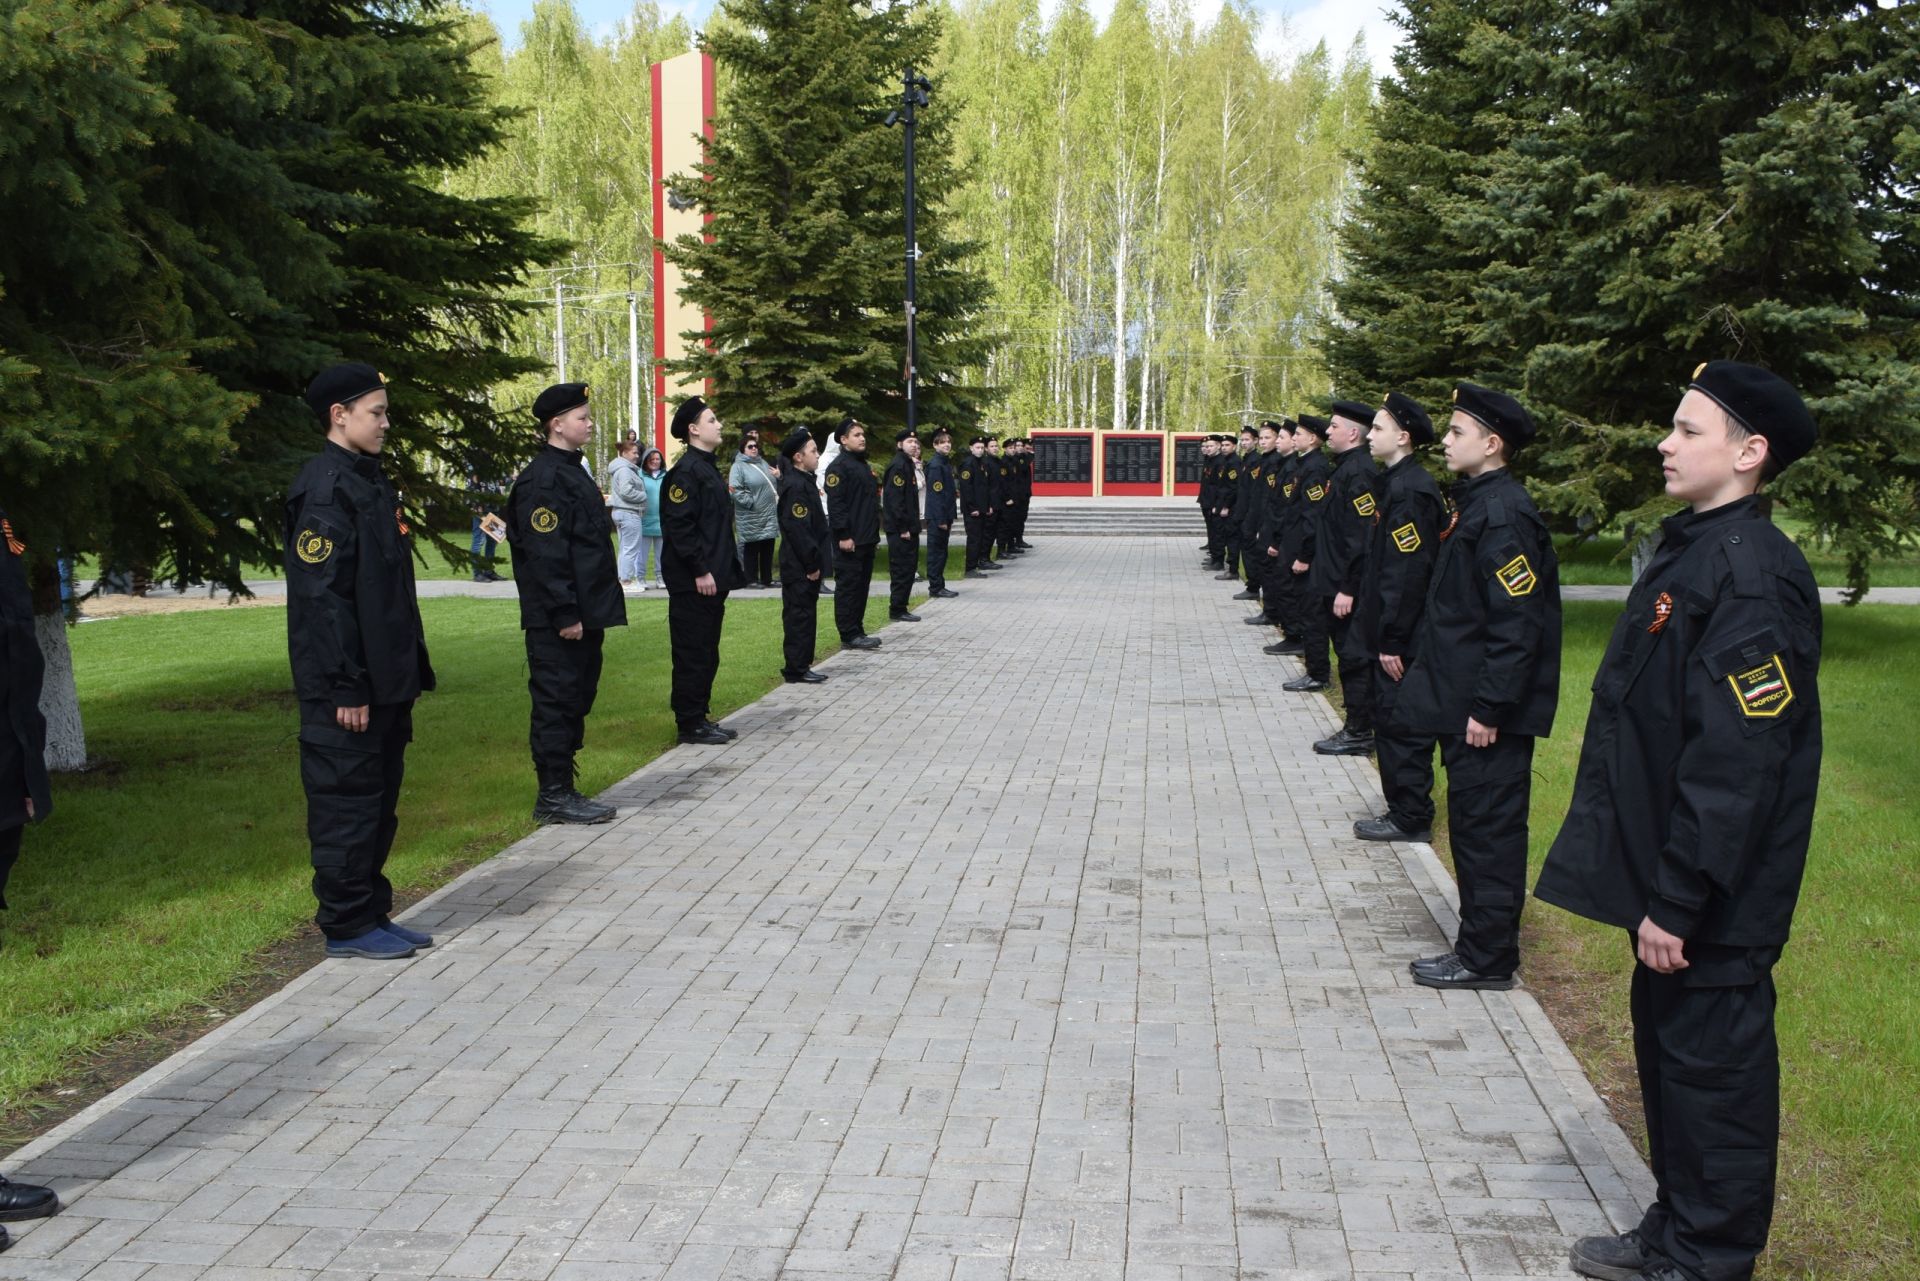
(1295, 30)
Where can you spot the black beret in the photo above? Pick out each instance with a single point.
(794, 441)
(1354, 410)
(1270, 425)
(1248, 430)
(1498, 412)
(1412, 419)
(342, 385)
(558, 399)
(1315, 424)
(686, 416)
(1762, 402)
(845, 424)
(904, 435)
(978, 440)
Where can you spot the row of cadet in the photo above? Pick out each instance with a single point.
(1693, 798)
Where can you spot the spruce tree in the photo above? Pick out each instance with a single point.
(803, 269)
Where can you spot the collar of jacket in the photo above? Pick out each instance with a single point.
(1684, 527)
(364, 464)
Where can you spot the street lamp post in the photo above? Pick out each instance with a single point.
(913, 94)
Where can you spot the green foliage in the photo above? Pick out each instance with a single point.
(206, 204)
(1588, 210)
(803, 269)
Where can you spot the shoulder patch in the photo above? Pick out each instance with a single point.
(1316, 492)
(898, 479)
(1233, 473)
(939, 485)
(1763, 692)
(1364, 504)
(311, 546)
(1289, 487)
(1517, 576)
(1407, 538)
(966, 475)
(1272, 481)
(833, 478)
(544, 521)
(799, 511)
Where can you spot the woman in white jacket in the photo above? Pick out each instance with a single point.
(627, 499)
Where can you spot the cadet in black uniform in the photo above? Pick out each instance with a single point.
(359, 661)
(1346, 527)
(1022, 492)
(1485, 679)
(1692, 808)
(1209, 516)
(1275, 582)
(700, 563)
(1001, 476)
(976, 503)
(1309, 502)
(942, 505)
(1393, 596)
(1229, 493)
(569, 585)
(900, 514)
(853, 512)
(805, 545)
(1252, 513)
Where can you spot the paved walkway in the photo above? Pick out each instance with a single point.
(1026, 976)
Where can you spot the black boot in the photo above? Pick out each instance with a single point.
(26, 1201)
(1618, 1258)
(559, 803)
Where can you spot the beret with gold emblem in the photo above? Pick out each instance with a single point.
(1762, 402)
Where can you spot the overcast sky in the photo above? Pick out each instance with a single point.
(1292, 25)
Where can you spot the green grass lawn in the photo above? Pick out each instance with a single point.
(162, 875)
(1849, 1015)
(1600, 560)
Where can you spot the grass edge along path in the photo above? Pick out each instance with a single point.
(169, 890)
(1848, 1201)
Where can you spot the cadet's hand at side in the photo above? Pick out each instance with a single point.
(1273, 551)
(846, 544)
(1300, 567)
(351, 718)
(814, 577)
(1342, 605)
(1393, 665)
(705, 585)
(1479, 735)
(575, 632)
(1659, 951)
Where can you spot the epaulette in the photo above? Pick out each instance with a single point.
(1742, 552)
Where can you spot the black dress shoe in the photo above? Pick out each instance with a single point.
(1257, 620)
(26, 1201)
(564, 805)
(1383, 828)
(1306, 685)
(1023, 544)
(905, 616)
(1620, 1258)
(943, 594)
(1278, 647)
(1345, 743)
(704, 736)
(1294, 647)
(1452, 973)
(862, 642)
(991, 564)
(805, 678)
(1245, 595)
(730, 733)
(1431, 962)
(1224, 577)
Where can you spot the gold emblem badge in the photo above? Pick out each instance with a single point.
(676, 494)
(833, 478)
(1764, 691)
(1696, 370)
(939, 485)
(1316, 492)
(899, 480)
(966, 475)
(312, 547)
(1517, 577)
(799, 511)
(1364, 504)
(543, 520)
(1407, 538)
(1233, 473)
(1289, 487)
(1272, 481)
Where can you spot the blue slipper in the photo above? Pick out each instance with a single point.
(414, 937)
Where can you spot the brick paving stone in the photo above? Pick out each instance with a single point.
(1064, 967)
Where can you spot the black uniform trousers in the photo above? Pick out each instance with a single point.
(1255, 564)
(9, 855)
(1216, 549)
(1003, 522)
(1406, 760)
(903, 562)
(979, 542)
(1488, 791)
(693, 636)
(799, 622)
(1710, 1084)
(850, 590)
(937, 556)
(1316, 616)
(1357, 669)
(352, 781)
(563, 677)
(1020, 519)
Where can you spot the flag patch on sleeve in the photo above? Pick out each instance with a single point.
(1763, 691)
(1364, 504)
(1517, 576)
(1407, 538)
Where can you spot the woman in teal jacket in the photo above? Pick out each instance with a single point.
(652, 468)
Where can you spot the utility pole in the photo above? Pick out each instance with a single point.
(633, 363)
(559, 332)
(913, 94)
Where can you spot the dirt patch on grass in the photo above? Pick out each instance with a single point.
(99, 607)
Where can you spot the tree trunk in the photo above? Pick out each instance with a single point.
(59, 697)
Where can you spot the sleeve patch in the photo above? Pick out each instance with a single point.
(1364, 504)
(1407, 538)
(899, 479)
(1316, 492)
(939, 485)
(799, 511)
(1272, 481)
(833, 478)
(1517, 576)
(1233, 473)
(544, 521)
(1763, 692)
(313, 547)
(1290, 487)
(966, 475)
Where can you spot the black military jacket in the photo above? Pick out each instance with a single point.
(1308, 500)
(900, 496)
(1227, 492)
(1252, 511)
(1246, 492)
(976, 485)
(696, 525)
(1000, 473)
(940, 494)
(562, 539)
(1405, 541)
(1488, 645)
(1273, 503)
(805, 541)
(1204, 495)
(853, 499)
(1346, 523)
(1022, 478)
(1693, 801)
(23, 731)
(353, 621)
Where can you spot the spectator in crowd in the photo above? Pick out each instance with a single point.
(756, 496)
(627, 499)
(653, 465)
